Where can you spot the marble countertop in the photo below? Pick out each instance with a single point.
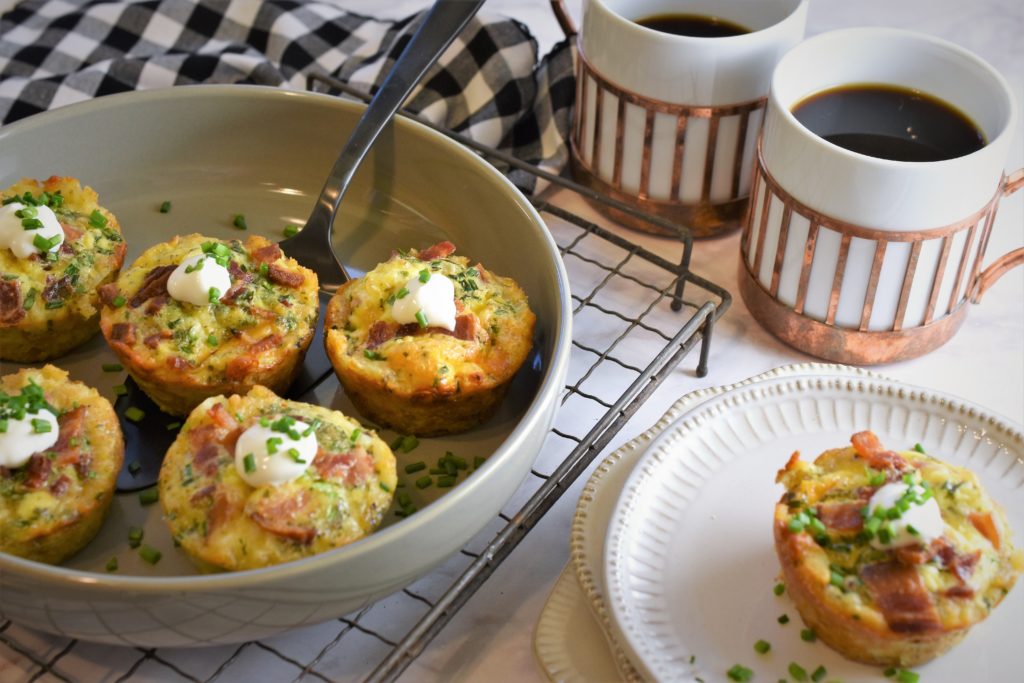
(491, 636)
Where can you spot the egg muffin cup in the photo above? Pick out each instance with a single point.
(889, 606)
(180, 353)
(48, 307)
(224, 523)
(54, 505)
(425, 380)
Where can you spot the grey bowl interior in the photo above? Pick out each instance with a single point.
(216, 151)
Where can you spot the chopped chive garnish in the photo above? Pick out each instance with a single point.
(424, 481)
(291, 230)
(762, 646)
(316, 423)
(264, 422)
(112, 367)
(165, 207)
(294, 454)
(783, 619)
(739, 673)
(172, 426)
(920, 449)
(409, 443)
(30, 299)
(134, 467)
(41, 426)
(478, 461)
(212, 340)
(425, 275)
(3, 425)
(134, 413)
(779, 589)
(354, 436)
(384, 487)
(797, 672)
(415, 467)
(149, 496)
(97, 219)
(56, 303)
(907, 676)
(150, 554)
(445, 481)
(421, 318)
(819, 674)
(239, 222)
(372, 355)
(876, 478)
(112, 564)
(249, 463)
(134, 536)
(808, 635)
(214, 295)
(45, 244)
(118, 301)
(402, 293)
(120, 390)
(272, 444)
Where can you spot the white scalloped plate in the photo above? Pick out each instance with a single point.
(689, 562)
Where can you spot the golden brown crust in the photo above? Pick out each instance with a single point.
(428, 382)
(181, 354)
(59, 318)
(48, 514)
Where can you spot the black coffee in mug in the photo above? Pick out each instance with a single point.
(889, 122)
(696, 25)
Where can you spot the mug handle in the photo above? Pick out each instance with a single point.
(1007, 261)
(564, 18)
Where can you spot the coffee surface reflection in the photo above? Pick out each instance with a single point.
(695, 25)
(889, 122)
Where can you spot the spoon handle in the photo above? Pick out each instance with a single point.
(444, 21)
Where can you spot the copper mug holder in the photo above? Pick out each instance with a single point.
(951, 280)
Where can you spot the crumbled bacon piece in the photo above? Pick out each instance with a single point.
(11, 310)
(108, 293)
(71, 233)
(60, 487)
(276, 514)
(870, 449)
(901, 596)
(154, 284)
(123, 332)
(284, 277)
(38, 471)
(267, 254)
(57, 289)
(435, 251)
(153, 340)
(353, 467)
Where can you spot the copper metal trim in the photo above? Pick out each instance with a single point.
(825, 338)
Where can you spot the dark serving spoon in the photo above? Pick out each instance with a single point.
(150, 433)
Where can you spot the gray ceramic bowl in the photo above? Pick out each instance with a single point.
(215, 151)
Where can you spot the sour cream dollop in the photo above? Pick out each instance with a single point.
(925, 518)
(194, 284)
(264, 455)
(14, 235)
(24, 437)
(435, 298)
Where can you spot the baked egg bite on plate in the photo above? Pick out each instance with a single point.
(196, 317)
(57, 247)
(891, 557)
(60, 452)
(427, 343)
(257, 480)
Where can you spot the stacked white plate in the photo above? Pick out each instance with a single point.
(673, 565)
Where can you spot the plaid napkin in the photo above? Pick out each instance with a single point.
(489, 85)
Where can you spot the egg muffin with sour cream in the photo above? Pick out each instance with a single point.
(198, 317)
(426, 343)
(257, 480)
(890, 557)
(57, 246)
(60, 452)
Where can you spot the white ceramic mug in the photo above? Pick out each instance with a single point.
(862, 259)
(668, 123)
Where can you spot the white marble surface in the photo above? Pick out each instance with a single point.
(490, 638)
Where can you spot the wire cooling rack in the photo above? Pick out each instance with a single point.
(636, 316)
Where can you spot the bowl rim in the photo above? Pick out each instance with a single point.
(535, 415)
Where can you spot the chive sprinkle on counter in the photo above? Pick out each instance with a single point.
(739, 673)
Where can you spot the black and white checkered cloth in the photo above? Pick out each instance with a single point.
(489, 85)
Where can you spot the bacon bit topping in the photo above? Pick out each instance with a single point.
(108, 293)
(284, 277)
(205, 457)
(221, 511)
(71, 233)
(156, 303)
(178, 363)
(353, 467)
(380, 332)
(57, 288)
(38, 471)
(901, 596)
(202, 494)
(436, 251)
(154, 284)
(240, 366)
(11, 311)
(870, 448)
(959, 591)
(153, 340)
(467, 328)
(984, 523)
(842, 516)
(267, 254)
(276, 514)
(60, 487)
(123, 332)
